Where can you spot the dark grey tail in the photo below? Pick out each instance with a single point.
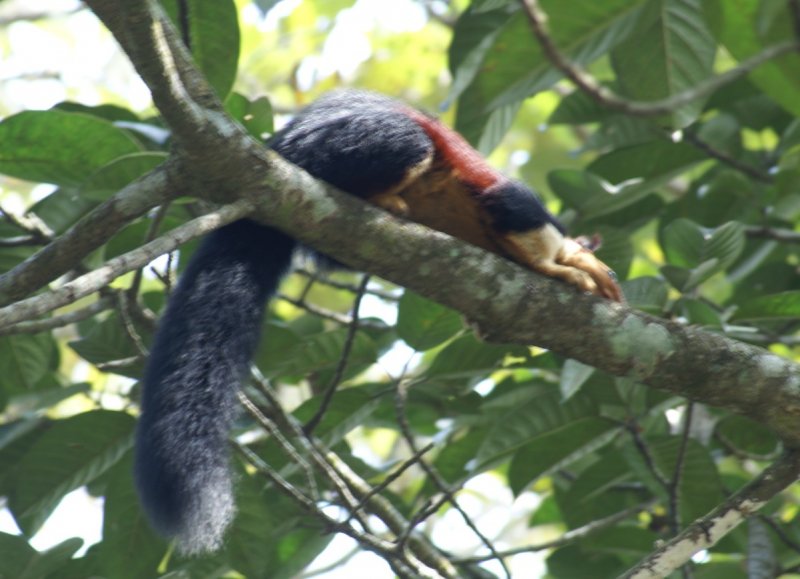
(201, 352)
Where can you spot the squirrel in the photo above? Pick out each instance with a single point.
(367, 145)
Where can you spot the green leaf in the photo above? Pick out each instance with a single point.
(473, 36)
(21, 561)
(784, 305)
(62, 208)
(654, 163)
(119, 173)
(577, 188)
(557, 448)
(595, 197)
(58, 147)
(466, 357)
(700, 488)
(542, 412)
(696, 253)
(575, 561)
(423, 324)
(72, 453)
(683, 241)
(743, 34)
(24, 361)
(108, 112)
(747, 435)
(214, 39)
(48, 394)
(513, 68)
(646, 293)
(256, 115)
(323, 352)
(699, 313)
(130, 547)
(348, 409)
(670, 52)
(578, 108)
(107, 341)
(573, 376)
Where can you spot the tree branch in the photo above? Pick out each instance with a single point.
(91, 282)
(89, 233)
(706, 532)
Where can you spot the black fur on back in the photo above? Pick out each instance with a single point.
(358, 141)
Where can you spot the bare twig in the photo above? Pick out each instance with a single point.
(338, 473)
(21, 241)
(342, 319)
(343, 359)
(644, 450)
(31, 224)
(152, 231)
(367, 540)
(673, 489)
(405, 428)
(781, 533)
(570, 536)
(396, 474)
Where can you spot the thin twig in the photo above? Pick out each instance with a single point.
(343, 360)
(783, 235)
(31, 224)
(338, 473)
(336, 317)
(781, 533)
(282, 441)
(151, 234)
(123, 308)
(753, 172)
(59, 321)
(326, 280)
(644, 450)
(436, 478)
(569, 537)
(367, 540)
(396, 474)
(312, 448)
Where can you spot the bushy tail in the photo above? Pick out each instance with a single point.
(205, 341)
